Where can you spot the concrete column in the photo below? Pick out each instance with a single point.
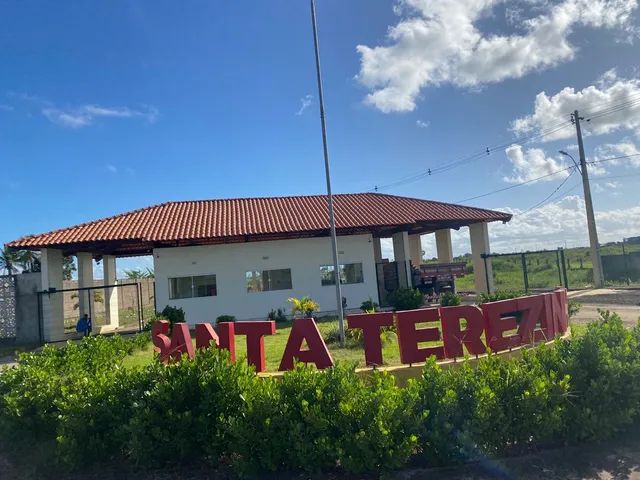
(52, 304)
(443, 246)
(85, 279)
(377, 250)
(479, 233)
(401, 254)
(415, 250)
(110, 294)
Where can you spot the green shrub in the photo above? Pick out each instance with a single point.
(500, 295)
(173, 315)
(226, 318)
(405, 299)
(369, 306)
(278, 316)
(450, 299)
(574, 308)
(79, 400)
(187, 411)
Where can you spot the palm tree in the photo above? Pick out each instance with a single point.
(8, 260)
(137, 273)
(28, 260)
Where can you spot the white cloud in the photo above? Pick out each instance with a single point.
(437, 41)
(305, 102)
(609, 91)
(564, 220)
(422, 124)
(550, 226)
(533, 163)
(84, 115)
(624, 148)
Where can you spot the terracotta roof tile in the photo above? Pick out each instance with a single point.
(217, 221)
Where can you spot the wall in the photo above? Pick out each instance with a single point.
(27, 327)
(231, 262)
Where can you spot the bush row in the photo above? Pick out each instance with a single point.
(79, 399)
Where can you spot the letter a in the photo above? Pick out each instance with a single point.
(305, 329)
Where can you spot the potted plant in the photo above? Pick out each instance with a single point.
(304, 306)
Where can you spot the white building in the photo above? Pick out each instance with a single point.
(244, 257)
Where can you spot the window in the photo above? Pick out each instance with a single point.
(349, 273)
(266, 280)
(189, 287)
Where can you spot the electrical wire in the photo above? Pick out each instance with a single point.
(548, 197)
(630, 102)
(556, 172)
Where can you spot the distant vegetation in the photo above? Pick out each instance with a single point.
(542, 268)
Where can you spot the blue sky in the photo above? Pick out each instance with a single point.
(110, 106)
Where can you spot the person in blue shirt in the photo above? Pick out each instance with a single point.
(84, 325)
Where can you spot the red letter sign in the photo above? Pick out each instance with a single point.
(305, 329)
(371, 323)
(409, 336)
(161, 342)
(455, 337)
(181, 341)
(205, 334)
(255, 332)
(497, 324)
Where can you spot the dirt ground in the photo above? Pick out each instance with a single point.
(625, 302)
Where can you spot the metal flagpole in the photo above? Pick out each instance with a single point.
(332, 221)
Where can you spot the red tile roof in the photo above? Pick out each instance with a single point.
(253, 219)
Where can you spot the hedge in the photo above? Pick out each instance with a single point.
(81, 402)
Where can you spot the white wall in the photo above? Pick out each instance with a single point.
(231, 262)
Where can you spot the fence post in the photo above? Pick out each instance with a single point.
(564, 269)
(525, 273)
(486, 271)
(558, 262)
(626, 264)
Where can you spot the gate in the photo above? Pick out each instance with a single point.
(7, 307)
(131, 319)
(541, 269)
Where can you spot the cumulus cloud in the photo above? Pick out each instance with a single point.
(305, 102)
(564, 220)
(422, 124)
(625, 148)
(84, 115)
(533, 163)
(609, 91)
(438, 41)
(547, 227)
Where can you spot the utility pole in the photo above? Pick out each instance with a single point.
(598, 279)
(332, 220)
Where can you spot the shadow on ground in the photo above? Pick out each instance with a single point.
(618, 458)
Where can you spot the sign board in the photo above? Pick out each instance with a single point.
(496, 326)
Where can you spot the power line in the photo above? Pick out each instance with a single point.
(556, 172)
(487, 151)
(612, 108)
(573, 170)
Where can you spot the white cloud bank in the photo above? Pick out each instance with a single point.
(609, 91)
(85, 115)
(437, 41)
(547, 227)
